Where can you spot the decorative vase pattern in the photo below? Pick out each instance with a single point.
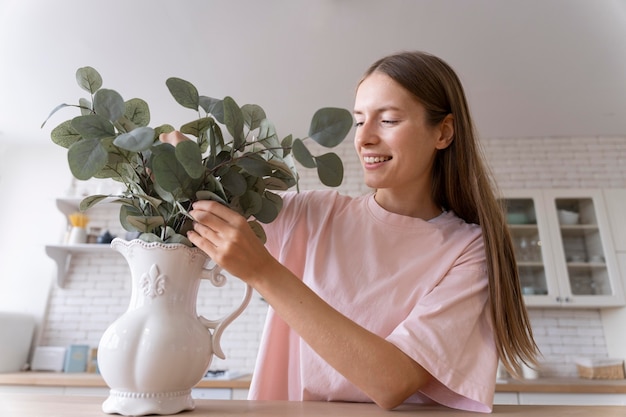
(159, 349)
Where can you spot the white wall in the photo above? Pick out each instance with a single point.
(31, 177)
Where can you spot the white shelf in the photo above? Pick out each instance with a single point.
(62, 255)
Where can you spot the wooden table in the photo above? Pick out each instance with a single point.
(28, 405)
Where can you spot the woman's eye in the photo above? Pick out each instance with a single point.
(389, 122)
(358, 124)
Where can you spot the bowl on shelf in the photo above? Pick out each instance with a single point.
(568, 217)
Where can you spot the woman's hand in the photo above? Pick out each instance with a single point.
(228, 239)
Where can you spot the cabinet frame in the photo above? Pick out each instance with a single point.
(557, 277)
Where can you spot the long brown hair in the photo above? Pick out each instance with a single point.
(463, 184)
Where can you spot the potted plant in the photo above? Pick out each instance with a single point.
(154, 354)
(240, 168)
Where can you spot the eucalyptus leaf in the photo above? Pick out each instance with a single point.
(65, 135)
(169, 173)
(234, 182)
(145, 223)
(329, 169)
(88, 79)
(109, 104)
(208, 195)
(253, 115)
(190, 157)
(197, 127)
(184, 93)
(137, 111)
(93, 126)
(233, 119)
(213, 106)
(86, 107)
(138, 140)
(88, 202)
(269, 138)
(271, 204)
(250, 202)
(86, 157)
(330, 126)
(254, 165)
(302, 154)
(258, 230)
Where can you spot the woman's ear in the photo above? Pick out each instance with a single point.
(447, 132)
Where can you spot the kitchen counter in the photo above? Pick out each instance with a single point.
(62, 379)
(541, 385)
(24, 405)
(564, 385)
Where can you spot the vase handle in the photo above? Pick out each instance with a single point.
(218, 279)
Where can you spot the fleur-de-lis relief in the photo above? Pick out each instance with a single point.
(152, 282)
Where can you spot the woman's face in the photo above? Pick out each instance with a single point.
(394, 143)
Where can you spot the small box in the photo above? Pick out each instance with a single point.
(48, 358)
(76, 358)
(605, 368)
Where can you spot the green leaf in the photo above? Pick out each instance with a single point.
(85, 106)
(190, 157)
(163, 129)
(302, 154)
(108, 104)
(127, 210)
(197, 127)
(137, 111)
(64, 134)
(329, 169)
(250, 202)
(253, 115)
(330, 126)
(272, 183)
(56, 109)
(258, 230)
(209, 195)
(183, 92)
(86, 157)
(270, 207)
(269, 138)
(169, 173)
(88, 79)
(254, 165)
(93, 126)
(89, 202)
(138, 140)
(233, 119)
(234, 182)
(214, 107)
(145, 223)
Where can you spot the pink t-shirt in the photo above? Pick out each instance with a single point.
(421, 285)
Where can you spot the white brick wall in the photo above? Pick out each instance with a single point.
(97, 288)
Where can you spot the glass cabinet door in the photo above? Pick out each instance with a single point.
(528, 243)
(584, 244)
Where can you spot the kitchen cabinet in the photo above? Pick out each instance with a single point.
(564, 261)
(62, 253)
(616, 207)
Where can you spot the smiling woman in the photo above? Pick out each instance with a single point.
(408, 294)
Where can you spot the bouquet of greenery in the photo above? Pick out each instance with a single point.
(111, 139)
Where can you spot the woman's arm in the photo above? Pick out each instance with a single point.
(377, 367)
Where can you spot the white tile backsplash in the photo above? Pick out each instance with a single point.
(97, 289)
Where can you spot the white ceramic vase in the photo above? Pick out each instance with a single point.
(159, 349)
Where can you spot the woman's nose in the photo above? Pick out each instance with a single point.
(365, 135)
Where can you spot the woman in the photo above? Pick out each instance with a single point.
(409, 294)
